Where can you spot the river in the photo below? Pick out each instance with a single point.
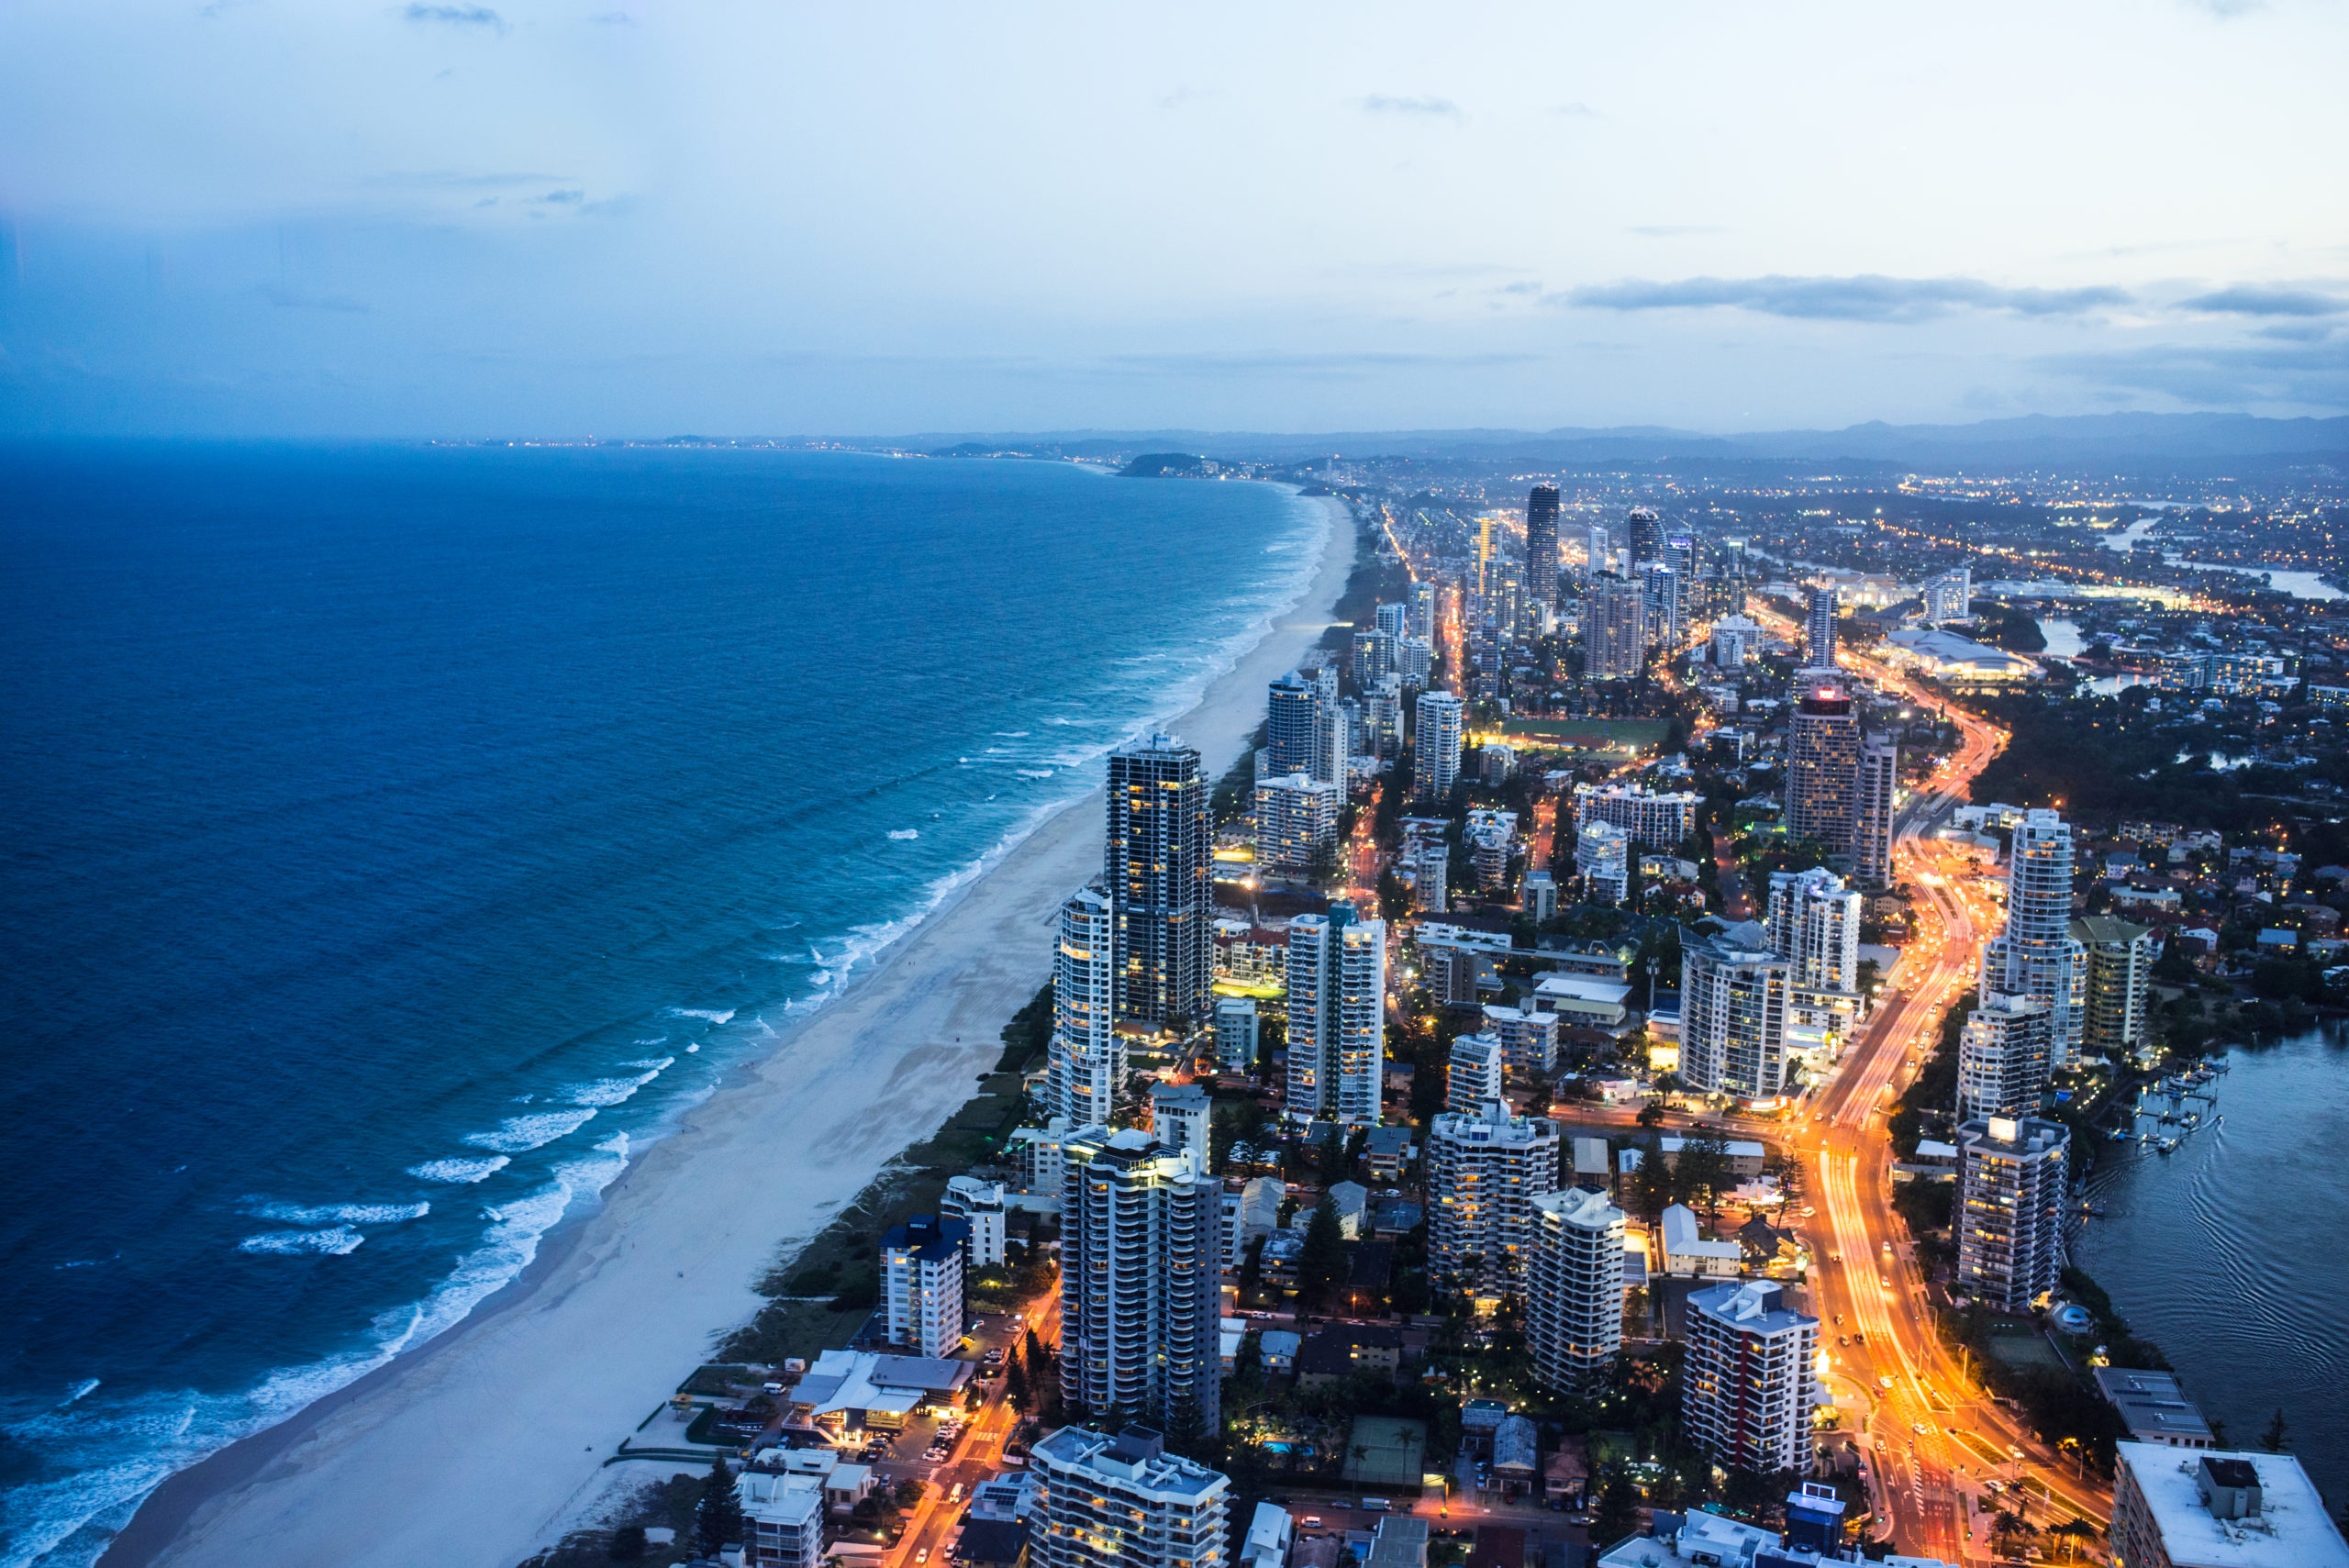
(2063, 638)
(2229, 1253)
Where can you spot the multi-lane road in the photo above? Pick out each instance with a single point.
(1934, 1443)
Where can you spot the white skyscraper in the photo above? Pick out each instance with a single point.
(1598, 551)
(1819, 629)
(1297, 821)
(1435, 745)
(1874, 800)
(2002, 1057)
(1662, 598)
(1949, 596)
(1087, 1061)
(1747, 1378)
(1422, 625)
(1179, 1118)
(1658, 820)
(1141, 1261)
(1603, 861)
(1528, 1041)
(2013, 1176)
(1733, 1014)
(1236, 1034)
(1814, 923)
(1614, 635)
(1337, 1015)
(1574, 1287)
(1735, 642)
(921, 1284)
(2036, 955)
(1473, 1075)
(1483, 1171)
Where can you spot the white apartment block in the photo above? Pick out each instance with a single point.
(1657, 820)
(1337, 1015)
(1574, 1287)
(1124, 1502)
(1529, 1042)
(1236, 1035)
(1733, 1014)
(981, 1205)
(1297, 821)
(1141, 1245)
(1180, 1118)
(2036, 955)
(783, 1519)
(1086, 1059)
(1603, 861)
(1483, 1171)
(1813, 922)
(921, 1284)
(2002, 1057)
(1748, 1380)
(2013, 1176)
(1435, 745)
(1473, 1073)
(2218, 1509)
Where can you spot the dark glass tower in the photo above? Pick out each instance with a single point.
(1161, 891)
(1541, 545)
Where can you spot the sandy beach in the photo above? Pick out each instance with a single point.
(478, 1448)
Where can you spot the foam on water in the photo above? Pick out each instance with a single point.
(340, 1240)
(604, 1092)
(461, 1170)
(520, 1134)
(903, 833)
(337, 1213)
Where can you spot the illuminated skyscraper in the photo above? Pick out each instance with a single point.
(1435, 745)
(2002, 1057)
(1733, 1014)
(1819, 629)
(1288, 726)
(1087, 1058)
(1141, 1244)
(1337, 1015)
(1872, 801)
(1159, 880)
(1613, 628)
(1823, 770)
(1647, 536)
(2013, 1183)
(1541, 545)
(2036, 955)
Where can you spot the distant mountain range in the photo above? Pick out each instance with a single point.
(2201, 444)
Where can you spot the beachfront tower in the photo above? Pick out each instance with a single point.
(1161, 891)
(1142, 1229)
(1288, 726)
(1337, 1015)
(1541, 545)
(1085, 1063)
(1435, 757)
(921, 1284)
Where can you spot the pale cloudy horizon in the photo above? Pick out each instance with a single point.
(251, 218)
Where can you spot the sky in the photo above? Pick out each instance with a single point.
(641, 218)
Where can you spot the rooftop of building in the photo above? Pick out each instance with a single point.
(1136, 1455)
(2291, 1529)
(2153, 1404)
(1756, 1304)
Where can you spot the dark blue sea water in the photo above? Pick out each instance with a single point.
(2228, 1253)
(396, 838)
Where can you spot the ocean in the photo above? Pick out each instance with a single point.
(398, 838)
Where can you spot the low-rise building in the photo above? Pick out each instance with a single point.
(982, 1207)
(1686, 1253)
(782, 1521)
(2153, 1406)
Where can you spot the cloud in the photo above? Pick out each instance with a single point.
(1429, 108)
(2247, 299)
(457, 180)
(1674, 230)
(1183, 96)
(1867, 297)
(1577, 110)
(2221, 375)
(457, 15)
(614, 18)
(1523, 285)
(2228, 10)
(564, 198)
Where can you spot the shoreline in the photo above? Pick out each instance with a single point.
(620, 1304)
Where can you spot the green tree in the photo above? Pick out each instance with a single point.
(718, 1523)
(2277, 1437)
(1651, 1191)
(1701, 1173)
(1651, 1115)
(1321, 1264)
(1617, 1514)
(628, 1544)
